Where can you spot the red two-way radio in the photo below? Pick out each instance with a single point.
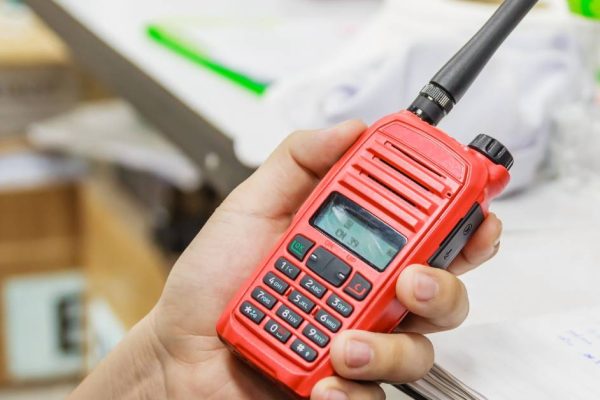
(405, 193)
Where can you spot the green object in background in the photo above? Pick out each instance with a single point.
(587, 8)
(165, 37)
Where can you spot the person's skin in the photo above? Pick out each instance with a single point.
(174, 352)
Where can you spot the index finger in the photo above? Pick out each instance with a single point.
(280, 186)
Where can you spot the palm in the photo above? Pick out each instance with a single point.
(208, 274)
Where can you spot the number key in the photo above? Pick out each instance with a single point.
(289, 316)
(328, 321)
(275, 283)
(313, 286)
(301, 301)
(263, 297)
(289, 269)
(339, 305)
(276, 330)
(315, 335)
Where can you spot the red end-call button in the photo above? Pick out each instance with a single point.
(358, 288)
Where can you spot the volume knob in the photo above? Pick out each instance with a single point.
(492, 149)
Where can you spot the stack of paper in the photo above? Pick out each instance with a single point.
(546, 358)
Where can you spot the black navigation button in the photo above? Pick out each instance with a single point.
(319, 259)
(328, 266)
(359, 287)
(263, 297)
(304, 350)
(251, 312)
(337, 272)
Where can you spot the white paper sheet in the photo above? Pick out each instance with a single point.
(551, 357)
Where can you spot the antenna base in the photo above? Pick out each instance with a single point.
(432, 104)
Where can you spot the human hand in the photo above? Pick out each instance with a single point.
(180, 331)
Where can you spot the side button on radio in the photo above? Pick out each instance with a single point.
(456, 240)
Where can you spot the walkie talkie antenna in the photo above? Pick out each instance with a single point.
(448, 86)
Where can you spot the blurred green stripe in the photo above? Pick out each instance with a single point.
(162, 35)
(587, 8)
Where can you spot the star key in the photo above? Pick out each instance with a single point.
(251, 312)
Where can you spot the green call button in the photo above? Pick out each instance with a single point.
(300, 246)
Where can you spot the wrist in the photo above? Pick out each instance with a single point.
(133, 370)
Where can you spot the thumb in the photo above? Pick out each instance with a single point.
(289, 175)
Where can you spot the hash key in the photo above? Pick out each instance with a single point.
(304, 350)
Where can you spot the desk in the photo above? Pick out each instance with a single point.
(200, 112)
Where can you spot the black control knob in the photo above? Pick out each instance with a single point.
(493, 149)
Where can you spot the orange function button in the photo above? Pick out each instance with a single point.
(358, 288)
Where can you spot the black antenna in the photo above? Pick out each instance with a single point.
(449, 85)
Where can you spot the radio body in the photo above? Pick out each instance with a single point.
(405, 193)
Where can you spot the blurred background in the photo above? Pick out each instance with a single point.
(123, 124)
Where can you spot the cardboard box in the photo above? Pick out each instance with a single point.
(55, 241)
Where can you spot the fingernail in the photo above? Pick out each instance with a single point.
(358, 354)
(334, 394)
(492, 250)
(425, 287)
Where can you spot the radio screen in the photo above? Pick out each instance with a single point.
(359, 231)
